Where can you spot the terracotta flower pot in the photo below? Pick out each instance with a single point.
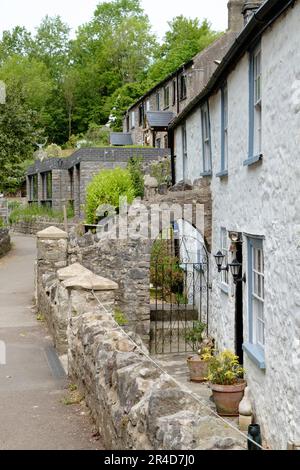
(198, 368)
(228, 397)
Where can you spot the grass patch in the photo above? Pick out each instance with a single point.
(40, 317)
(120, 318)
(74, 397)
(34, 211)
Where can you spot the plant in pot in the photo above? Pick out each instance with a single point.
(226, 381)
(203, 345)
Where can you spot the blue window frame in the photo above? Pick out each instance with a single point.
(206, 140)
(224, 132)
(256, 302)
(255, 107)
(184, 152)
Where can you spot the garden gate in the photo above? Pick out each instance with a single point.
(179, 291)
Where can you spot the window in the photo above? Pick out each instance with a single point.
(166, 97)
(256, 300)
(33, 188)
(224, 250)
(158, 143)
(184, 152)
(183, 87)
(255, 110)
(71, 181)
(224, 131)
(174, 92)
(127, 123)
(148, 105)
(158, 101)
(166, 141)
(132, 120)
(141, 115)
(206, 147)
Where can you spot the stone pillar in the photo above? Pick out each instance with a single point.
(52, 254)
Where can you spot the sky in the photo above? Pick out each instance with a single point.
(29, 13)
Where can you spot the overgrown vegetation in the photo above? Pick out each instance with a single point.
(65, 90)
(107, 188)
(120, 318)
(166, 274)
(137, 176)
(33, 211)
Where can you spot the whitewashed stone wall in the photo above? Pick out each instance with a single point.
(261, 200)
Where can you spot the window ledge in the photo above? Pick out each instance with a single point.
(224, 288)
(222, 174)
(252, 160)
(206, 173)
(256, 354)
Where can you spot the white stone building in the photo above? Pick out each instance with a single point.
(242, 133)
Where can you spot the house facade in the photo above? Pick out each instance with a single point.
(242, 135)
(59, 182)
(147, 120)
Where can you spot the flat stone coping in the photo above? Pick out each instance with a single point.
(78, 277)
(52, 233)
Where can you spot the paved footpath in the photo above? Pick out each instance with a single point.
(32, 383)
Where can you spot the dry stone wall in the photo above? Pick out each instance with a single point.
(135, 405)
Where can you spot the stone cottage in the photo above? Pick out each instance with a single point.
(148, 118)
(241, 134)
(59, 182)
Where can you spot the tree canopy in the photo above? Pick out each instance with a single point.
(65, 86)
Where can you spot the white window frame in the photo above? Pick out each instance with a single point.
(257, 82)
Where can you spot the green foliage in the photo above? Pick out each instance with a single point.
(54, 151)
(68, 89)
(186, 37)
(107, 188)
(137, 176)
(33, 211)
(194, 336)
(120, 318)
(162, 171)
(224, 369)
(165, 271)
(17, 135)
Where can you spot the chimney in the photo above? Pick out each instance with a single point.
(250, 7)
(235, 15)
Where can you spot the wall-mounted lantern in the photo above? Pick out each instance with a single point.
(235, 267)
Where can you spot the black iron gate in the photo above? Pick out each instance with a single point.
(180, 294)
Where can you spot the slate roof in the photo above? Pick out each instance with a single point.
(159, 119)
(120, 138)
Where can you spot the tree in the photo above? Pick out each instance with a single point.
(16, 42)
(17, 135)
(185, 38)
(52, 44)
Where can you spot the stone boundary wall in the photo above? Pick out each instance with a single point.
(32, 227)
(125, 261)
(134, 404)
(4, 241)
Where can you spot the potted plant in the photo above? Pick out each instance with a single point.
(226, 381)
(198, 363)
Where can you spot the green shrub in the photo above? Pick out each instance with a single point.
(106, 188)
(137, 176)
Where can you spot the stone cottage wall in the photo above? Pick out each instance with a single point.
(4, 241)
